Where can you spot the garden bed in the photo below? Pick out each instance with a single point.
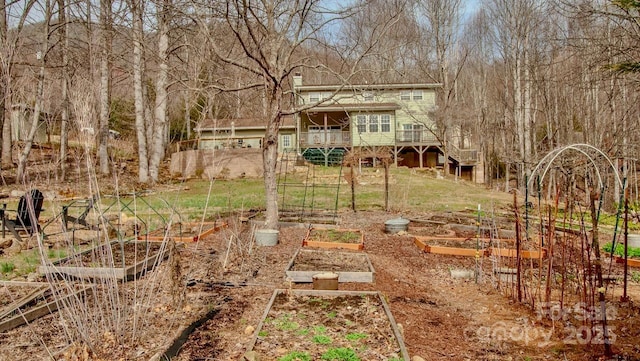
(452, 246)
(456, 246)
(631, 262)
(334, 238)
(184, 232)
(327, 325)
(350, 266)
(511, 253)
(122, 261)
(22, 302)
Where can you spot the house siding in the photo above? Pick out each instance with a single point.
(412, 111)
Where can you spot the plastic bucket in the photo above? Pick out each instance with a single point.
(267, 237)
(396, 225)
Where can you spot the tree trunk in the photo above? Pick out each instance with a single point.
(270, 155)
(160, 110)
(42, 54)
(105, 85)
(64, 121)
(5, 123)
(139, 95)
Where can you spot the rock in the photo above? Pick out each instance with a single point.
(249, 330)
(251, 356)
(5, 243)
(417, 358)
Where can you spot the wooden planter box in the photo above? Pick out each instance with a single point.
(182, 232)
(423, 244)
(510, 252)
(360, 321)
(87, 265)
(350, 266)
(36, 302)
(312, 239)
(631, 262)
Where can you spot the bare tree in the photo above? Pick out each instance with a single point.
(66, 80)
(140, 101)
(41, 56)
(11, 43)
(442, 61)
(270, 40)
(160, 122)
(106, 40)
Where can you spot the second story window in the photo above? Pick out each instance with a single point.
(373, 123)
(385, 123)
(314, 97)
(362, 123)
(415, 94)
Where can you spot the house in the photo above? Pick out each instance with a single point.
(339, 118)
(243, 133)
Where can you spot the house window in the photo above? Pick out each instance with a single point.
(417, 94)
(286, 141)
(362, 123)
(405, 94)
(373, 123)
(385, 123)
(314, 97)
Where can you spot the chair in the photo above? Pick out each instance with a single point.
(27, 214)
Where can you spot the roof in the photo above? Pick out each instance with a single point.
(241, 123)
(307, 88)
(353, 107)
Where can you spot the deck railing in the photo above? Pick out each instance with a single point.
(331, 138)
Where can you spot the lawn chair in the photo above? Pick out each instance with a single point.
(27, 214)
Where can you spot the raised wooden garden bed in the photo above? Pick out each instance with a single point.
(451, 246)
(456, 246)
(350, 266)
(631, 262)
(184, 232)
(122, 261)
(22, 302)
(328, 325)
(334, 238)
(510, 252)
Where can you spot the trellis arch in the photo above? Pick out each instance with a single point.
(580, 148)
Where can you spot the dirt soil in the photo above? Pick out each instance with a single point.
(318, 325)
(230, 280)
(104, 256)
(319, 260)
(334, 235)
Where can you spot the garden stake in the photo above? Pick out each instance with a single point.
(477, 243)
(625, 298)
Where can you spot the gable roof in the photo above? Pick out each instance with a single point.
(408, 86)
